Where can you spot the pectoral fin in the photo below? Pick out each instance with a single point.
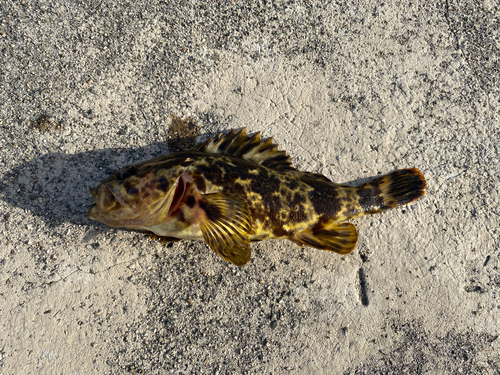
(225, 226)
(340, 238)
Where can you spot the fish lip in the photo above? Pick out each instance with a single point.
(91, 213)
(94, 194)
(96, 207)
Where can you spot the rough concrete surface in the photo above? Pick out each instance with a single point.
(351, 89)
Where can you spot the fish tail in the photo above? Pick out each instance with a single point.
(392, 190)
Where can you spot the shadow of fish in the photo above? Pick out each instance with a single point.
(234, 189)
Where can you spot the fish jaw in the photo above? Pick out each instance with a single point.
(176, 229)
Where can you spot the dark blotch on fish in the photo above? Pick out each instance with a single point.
(200, 183)
(191, 201)
(163, 184)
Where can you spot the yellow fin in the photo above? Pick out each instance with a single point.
(394, 189)
(320, 176)
(226, 225)
(252, 148)
(340, 238)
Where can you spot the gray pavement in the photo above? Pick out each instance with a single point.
(350, 89)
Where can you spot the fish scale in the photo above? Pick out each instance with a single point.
(235, 188)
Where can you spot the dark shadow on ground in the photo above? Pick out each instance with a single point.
(56, 186)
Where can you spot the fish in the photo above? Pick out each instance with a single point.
(234, 189)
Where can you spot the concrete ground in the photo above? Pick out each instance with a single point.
(350, 89)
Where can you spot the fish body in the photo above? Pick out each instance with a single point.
(234, 189)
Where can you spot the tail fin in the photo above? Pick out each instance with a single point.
(395, 189)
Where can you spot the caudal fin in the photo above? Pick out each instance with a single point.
(394, 189)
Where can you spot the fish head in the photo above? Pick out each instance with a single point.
(137, 197)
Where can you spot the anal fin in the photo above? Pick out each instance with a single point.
(340, 238)
(225, 226)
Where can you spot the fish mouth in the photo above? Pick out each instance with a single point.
(108, 202)
(111, 191)
(92, 213)
(106, 198)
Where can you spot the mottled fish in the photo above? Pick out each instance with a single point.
(234, 189)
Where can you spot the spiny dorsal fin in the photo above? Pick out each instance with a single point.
(253, 148)
(319, 176)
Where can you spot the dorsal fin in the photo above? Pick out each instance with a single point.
(320, 176)
(252, 148)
